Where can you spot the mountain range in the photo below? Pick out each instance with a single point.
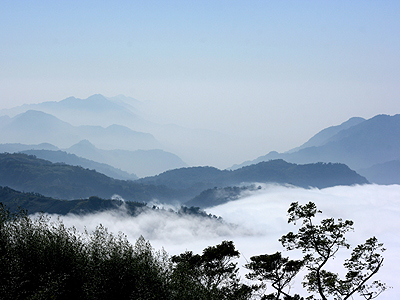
(58, 156)
(61, 181)
(194, 146)
(58, 180)
(198, 179)
(128, 150)
(141, 162)
(114, 131)
(34, 127)
(368, 146)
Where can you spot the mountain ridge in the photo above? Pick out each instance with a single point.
(31, 174)
(324, 135)
(34, 127)
(59, 156)
(141, 162)
(192, 145)
(360, 146)
(318, 175)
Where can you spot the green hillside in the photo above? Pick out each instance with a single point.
(318, 175)
(58, 180)
(30, 174)
(35, 202)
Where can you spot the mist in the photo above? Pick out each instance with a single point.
(256, 222)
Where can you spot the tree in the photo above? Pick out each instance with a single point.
(211, 275)
(277, 270)
(40, 259)
(320, 243)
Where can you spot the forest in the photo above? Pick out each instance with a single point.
(46, 260)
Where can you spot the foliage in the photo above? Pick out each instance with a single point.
(40, 259)
(43, 260)
(211, 275)
(320, 243)
(277, 270)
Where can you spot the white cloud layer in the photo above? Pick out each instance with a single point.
(261, 219)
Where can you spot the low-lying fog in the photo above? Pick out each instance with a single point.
(261, 219)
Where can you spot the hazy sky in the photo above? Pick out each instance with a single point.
(282, 70)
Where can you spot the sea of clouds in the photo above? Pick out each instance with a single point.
(256, 222)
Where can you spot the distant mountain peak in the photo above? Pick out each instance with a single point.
(35, 117)
(323, 136)
(84, 144)
(358, 143)
(35, 113)
(94, 103)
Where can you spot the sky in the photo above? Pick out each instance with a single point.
(255, 224)
(279, 71)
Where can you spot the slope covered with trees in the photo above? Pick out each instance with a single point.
(35, 203)
(318, 175)
(30, 174)
(43, 260)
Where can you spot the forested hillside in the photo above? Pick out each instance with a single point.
(43, 260)
(36, 203)
(33, 203)
(318, 175)
(30, 174)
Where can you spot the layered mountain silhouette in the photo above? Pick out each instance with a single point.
(141, 162)
(18, 147)
(118, 164)
(58, 180)
(33, 127)
(194, 146)
(140, 154)
(32, 203)
(37, 203)
(371, 147)
(52, 153)
(358, 143)
(384, 173)
(318, 175)
(58, 156)
(324, 135)
(95, 110)
(30, 174)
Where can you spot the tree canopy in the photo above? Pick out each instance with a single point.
(40, 259)
(320, 242)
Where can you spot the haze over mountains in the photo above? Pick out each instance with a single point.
(131, 151)
(33, 127)
(115, 131)
(83, 171)
(58, 156)
(371, 147)
(119, 164)
(192, 145)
